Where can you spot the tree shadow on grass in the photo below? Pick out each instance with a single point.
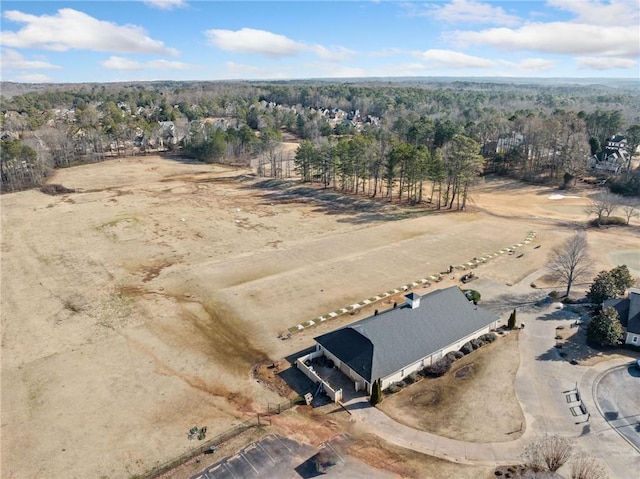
(357, 209)
(523, 303)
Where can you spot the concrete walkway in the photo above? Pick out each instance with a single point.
(545, 384)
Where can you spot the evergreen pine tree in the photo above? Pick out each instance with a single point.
(511, 324)
(376, 392)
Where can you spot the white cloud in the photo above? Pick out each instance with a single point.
(166, 4)
(239, 67)
(261, 42)
(600, 63)
(533, 64)
(233, 71)
(13, 59)
(470, 11)
(249, 40)
(559, 37)
(34, 78)
(71, 29)
(331, 70)
(451, 59)
(119, 63)
(616, 12)
(337, 54)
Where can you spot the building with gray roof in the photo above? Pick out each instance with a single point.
(628, 310)
(393, 344)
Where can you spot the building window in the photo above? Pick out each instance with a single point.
(635, 339)
(402, 373)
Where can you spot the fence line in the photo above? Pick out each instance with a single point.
(259, 421)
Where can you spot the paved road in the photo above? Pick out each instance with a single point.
(617, 394)
(544, 384)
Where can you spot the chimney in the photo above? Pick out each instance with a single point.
(413, 300)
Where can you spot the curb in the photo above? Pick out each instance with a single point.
(469, 264)
(594, 389)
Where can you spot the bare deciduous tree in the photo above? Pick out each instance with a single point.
(548, 453)
(631, 208)
(570, 261)
(584, 467)
(602, 205)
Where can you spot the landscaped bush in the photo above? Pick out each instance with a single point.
(472, 295)
(466, 348)
(477, 343)
(451, 356)
(611, 220)
(394, 388)
(411, 378)
(438, 368)
(554, 294)
(457, 354)
(488, 337)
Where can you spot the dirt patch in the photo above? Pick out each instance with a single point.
(464, 372)
(269, 374)
(409, 464)
(54, 190)
(475, 401)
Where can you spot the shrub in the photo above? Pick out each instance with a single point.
(458, 354)
(454, 355)
(411, 378)
(554, 294)
(438, 368)
(477, 343)
(488, 337)
(394, 388)
(472, 295)
(376, 392)
(611, 220)
(466, 348)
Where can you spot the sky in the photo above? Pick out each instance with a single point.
(113, 41)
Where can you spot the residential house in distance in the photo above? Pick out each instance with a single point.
(393, 344)
(613, 158)
(629, 314)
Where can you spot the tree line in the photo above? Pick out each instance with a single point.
(533, 132)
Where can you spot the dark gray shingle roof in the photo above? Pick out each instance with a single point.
(378, 346)
(633, 325)
(621, 306)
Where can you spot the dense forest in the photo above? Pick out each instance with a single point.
(409, 141)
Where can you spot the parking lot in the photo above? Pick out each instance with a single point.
(278, 457)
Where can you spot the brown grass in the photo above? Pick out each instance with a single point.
(410, 464)
(475, 401)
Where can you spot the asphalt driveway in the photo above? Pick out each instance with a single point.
(618, 398)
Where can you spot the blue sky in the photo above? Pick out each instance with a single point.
(98, 41)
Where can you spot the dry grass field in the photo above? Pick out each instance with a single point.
(135, 307)
(448, 406)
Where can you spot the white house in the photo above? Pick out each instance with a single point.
(393, 344)
(614, 157)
